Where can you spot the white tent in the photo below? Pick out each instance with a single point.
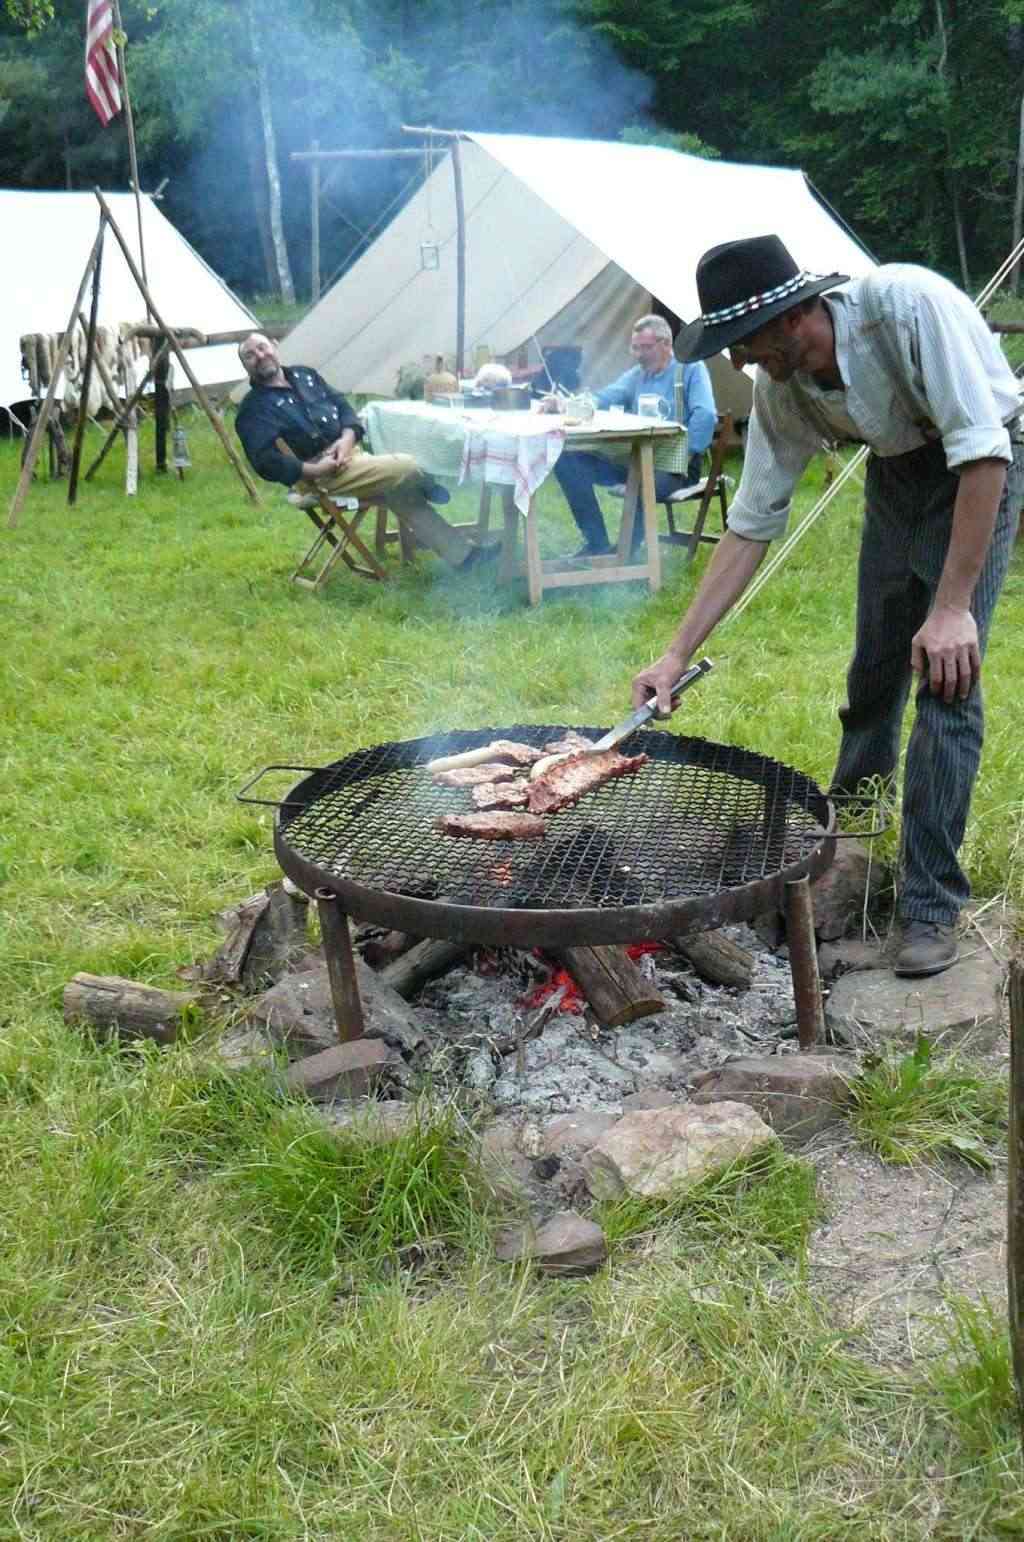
(567, 240)
(42, 257)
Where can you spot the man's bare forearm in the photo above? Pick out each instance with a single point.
(974, 519)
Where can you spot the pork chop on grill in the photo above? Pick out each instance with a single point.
(569, 780)
(507, 751)
(493, 826)
(473, 776)
(501, 794)
(570, 744)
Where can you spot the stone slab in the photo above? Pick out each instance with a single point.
(299, 1013)
(343, 1071)
(798, 1095)
(565, 1244)
(960, 1008)
(658, 1150)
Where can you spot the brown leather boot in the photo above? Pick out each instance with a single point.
(926, 947)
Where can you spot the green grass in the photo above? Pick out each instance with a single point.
(217, 1323)
(909, 1108)
(767, 1201)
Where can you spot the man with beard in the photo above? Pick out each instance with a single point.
(295, 429)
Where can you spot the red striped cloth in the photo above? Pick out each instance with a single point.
(102, 80)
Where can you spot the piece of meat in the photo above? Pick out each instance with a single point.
(493, 826)
(571, 744)
(473, 776)
(505, 750)
(570, 779)
(501, 794)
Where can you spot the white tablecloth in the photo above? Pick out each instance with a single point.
(515, 449)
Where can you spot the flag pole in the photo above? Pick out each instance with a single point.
(130, 121)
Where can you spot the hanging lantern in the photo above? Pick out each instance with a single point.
(430, 256)
(179, 452)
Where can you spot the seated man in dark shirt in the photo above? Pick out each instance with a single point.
(296, 430)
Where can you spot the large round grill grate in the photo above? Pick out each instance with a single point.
(699, 820)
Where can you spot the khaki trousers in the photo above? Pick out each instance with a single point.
(397, 481)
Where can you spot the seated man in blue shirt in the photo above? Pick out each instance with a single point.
(655, 373)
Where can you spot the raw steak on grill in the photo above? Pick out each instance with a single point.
(570, 779)
(501, 794)
(494, 826)
(473, 776)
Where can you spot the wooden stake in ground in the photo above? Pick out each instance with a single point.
(39, 427)
(1015, 1181)
(201, 396)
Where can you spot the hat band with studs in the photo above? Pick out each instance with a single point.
(755, 302)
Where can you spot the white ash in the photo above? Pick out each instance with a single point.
(485, 1040)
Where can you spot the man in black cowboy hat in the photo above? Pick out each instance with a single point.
(902, 361)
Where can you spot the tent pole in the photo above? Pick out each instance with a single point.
(460, 263)
(90, 354)
(314, 224)
(39, 427)
(460, 238)
(130, 122)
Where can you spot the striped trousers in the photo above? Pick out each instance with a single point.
(908, 518)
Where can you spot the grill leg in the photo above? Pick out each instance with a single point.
(341, 966)
(803, 962)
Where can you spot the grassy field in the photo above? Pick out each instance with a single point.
(194, 1343)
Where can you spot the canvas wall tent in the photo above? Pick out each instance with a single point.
(47, 240)
(567, 240)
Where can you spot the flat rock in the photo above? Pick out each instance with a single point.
(839, 896)
(342, 1071)
(798, 1095)
(959, 1007)
(847, 954)
(653, 1098)
(654, 1151)
(505, 1168)
(245, 1047)
(299, 1013)
(565, 1244)
(570, 1135)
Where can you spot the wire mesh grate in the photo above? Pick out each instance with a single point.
(698, 819)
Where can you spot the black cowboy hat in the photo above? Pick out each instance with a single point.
(742, 285)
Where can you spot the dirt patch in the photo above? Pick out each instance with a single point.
(897, 1241)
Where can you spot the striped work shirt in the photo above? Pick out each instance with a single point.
(918, 363)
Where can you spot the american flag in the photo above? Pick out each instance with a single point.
(102, 81)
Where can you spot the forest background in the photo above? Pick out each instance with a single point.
(908, 119)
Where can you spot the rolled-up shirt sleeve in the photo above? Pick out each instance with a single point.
(951, 341)
(780, 443)
(701, 414)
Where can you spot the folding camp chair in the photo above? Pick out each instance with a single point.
(337, 520)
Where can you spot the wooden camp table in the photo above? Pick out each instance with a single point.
(514, 452)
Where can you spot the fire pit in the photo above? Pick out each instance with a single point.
(704, 834)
